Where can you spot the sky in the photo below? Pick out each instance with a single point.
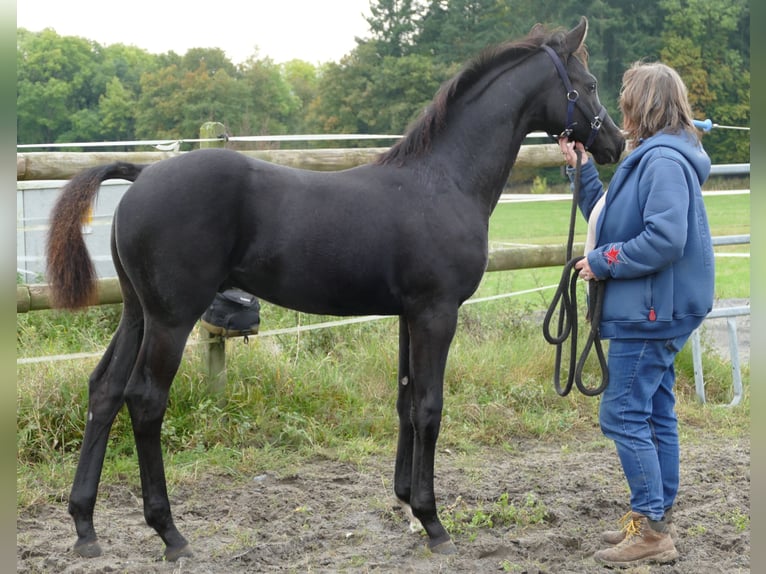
(316, 31)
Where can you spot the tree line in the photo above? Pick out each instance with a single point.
(71, 89)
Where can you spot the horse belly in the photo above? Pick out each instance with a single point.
(320, 286)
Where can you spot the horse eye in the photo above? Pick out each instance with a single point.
(592, 88)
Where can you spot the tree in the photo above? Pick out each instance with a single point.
(335, 108)
(269, 103)
(160, 105)
(302, 79)
(72, 89)
(57, 77)
(117, 112)
(370, 93)
(451, 32)
(394, 25)
(697, 39)
(175, 102)
(213, 59)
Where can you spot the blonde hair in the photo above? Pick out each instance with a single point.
(654, 98)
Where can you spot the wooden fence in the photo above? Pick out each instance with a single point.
(63, 165)
(36, 297)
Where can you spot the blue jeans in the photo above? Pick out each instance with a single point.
(637, 412)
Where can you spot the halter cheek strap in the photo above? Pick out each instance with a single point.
(573, 98)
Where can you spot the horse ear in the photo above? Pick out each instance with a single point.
(537, 30)
(576, 35)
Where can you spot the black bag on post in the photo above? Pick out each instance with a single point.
(233, 313)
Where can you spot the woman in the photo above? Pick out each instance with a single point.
(651, 245)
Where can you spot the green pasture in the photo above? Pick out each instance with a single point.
(547, 222)
(332, 392)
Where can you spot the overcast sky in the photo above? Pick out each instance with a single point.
(312, 30)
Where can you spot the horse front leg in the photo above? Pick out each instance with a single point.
(431, 334)
(106, 388)
(405, 445)
(146, 398)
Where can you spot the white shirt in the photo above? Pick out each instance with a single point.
(590, 238)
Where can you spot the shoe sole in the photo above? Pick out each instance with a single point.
(661, 558)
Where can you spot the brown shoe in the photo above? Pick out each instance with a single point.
(644, 541)
(617, 536)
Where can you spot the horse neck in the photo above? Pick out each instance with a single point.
(482, 136)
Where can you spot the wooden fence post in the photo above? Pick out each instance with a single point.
(215, 344)
(212, 130)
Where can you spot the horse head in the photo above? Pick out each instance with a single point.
(572, 106)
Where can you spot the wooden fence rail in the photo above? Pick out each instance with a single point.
(36, 297)
(64, 165)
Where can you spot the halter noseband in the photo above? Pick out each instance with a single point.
(573, 98)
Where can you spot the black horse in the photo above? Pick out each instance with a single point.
(405, 235)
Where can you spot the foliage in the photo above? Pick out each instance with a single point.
(73, 89)
(703, 40)
(393, 25)
(461, 518)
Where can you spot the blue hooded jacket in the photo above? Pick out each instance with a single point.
(653, 244)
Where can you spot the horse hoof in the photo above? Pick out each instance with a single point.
(444, 548)
(87, 548)
(173, 554)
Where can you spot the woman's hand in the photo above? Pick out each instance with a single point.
(568, 151)
(583, 266)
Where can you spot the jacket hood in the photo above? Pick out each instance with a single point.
(684, 144)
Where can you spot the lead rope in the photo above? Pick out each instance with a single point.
(565, 299)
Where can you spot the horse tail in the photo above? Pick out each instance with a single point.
(70, 270)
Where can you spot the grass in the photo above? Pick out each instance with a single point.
(332, 392)
(466, 519)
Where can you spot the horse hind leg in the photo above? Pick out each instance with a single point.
(146, 397)
(105, 398)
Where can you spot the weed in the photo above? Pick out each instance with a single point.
(739, 519)
(460, 519)
(696, 530)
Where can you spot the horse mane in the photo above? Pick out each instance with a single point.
(421, 133)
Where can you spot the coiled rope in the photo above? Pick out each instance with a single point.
(565, 301)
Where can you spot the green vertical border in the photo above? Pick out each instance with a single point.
(757, 284)
(7, 281)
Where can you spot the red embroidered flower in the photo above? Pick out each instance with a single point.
(613, 255)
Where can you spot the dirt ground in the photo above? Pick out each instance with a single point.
(335, 517)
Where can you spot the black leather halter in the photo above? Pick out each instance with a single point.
(573, 98)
